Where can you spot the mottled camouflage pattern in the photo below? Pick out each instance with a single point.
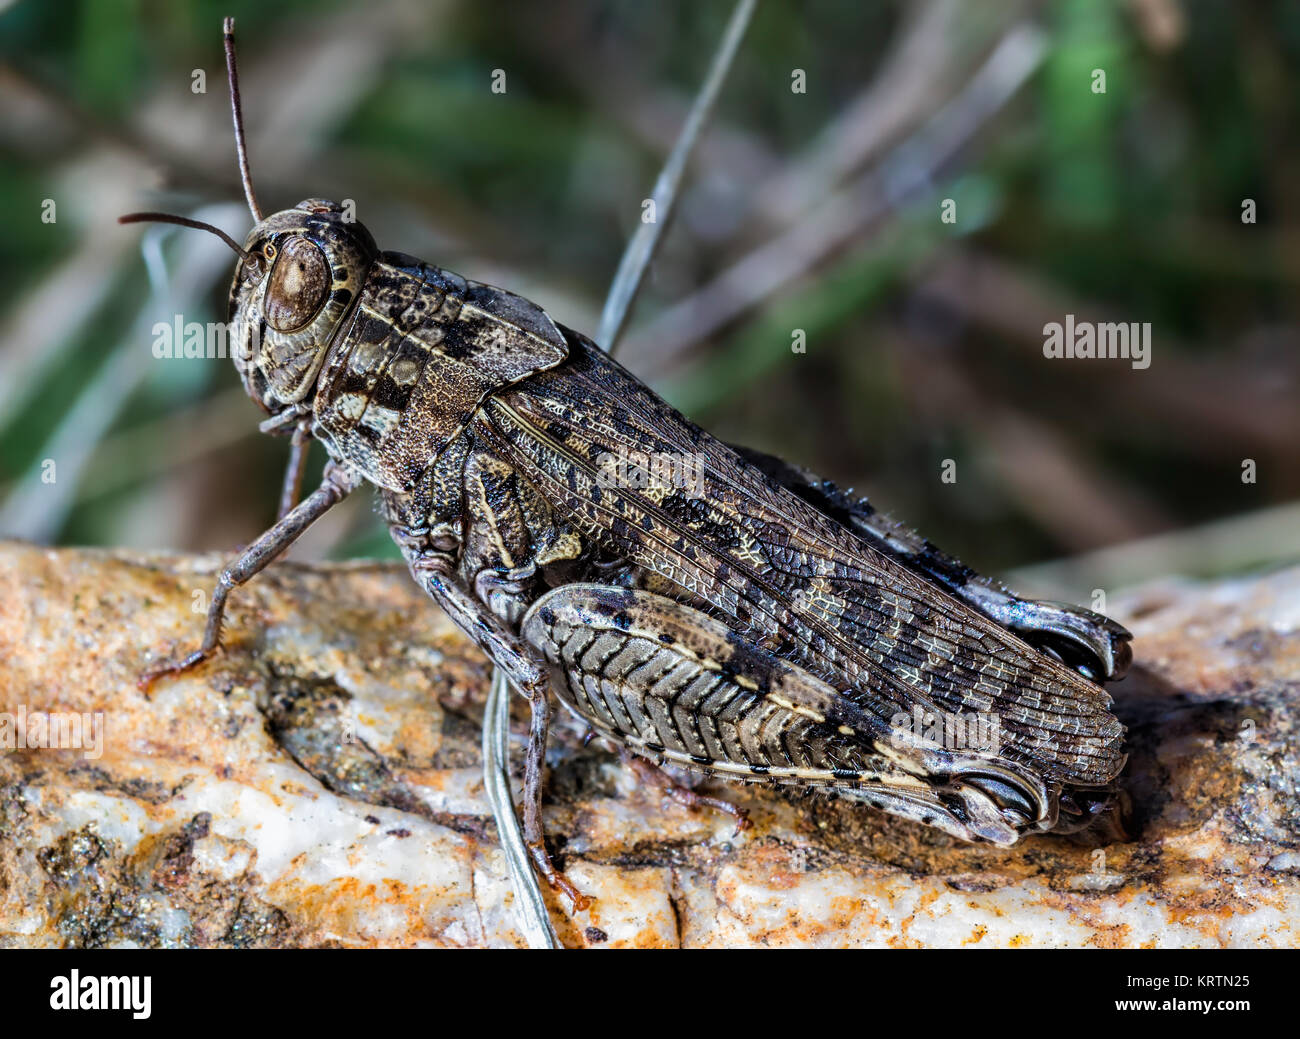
(757, 624)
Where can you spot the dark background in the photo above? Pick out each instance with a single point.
(817, 211)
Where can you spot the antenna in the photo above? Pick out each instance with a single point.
(236, 110)
(184, 221)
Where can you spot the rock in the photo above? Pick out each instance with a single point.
(319, 784)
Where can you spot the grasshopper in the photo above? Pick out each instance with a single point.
(697, 604)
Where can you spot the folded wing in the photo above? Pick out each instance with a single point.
(786, 574)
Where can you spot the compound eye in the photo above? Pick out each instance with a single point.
(300, 281)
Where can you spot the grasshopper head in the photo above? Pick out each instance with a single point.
(301, 270)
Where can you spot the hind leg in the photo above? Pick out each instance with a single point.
(675, 684)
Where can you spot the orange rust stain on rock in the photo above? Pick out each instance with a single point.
(1111, 937)
(650, 938)
(783, 880)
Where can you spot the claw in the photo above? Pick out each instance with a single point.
(173, 667)
(558, 881)
(694, 800)
(578, 902)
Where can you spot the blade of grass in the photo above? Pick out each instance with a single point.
(645, 241)
(530, 907)
(36, 507)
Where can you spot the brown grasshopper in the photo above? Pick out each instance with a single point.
(697, 604)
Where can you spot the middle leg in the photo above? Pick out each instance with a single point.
(527, 671)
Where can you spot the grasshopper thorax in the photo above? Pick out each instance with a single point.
(302, 271)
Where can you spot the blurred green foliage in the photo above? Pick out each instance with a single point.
(1125, 204)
